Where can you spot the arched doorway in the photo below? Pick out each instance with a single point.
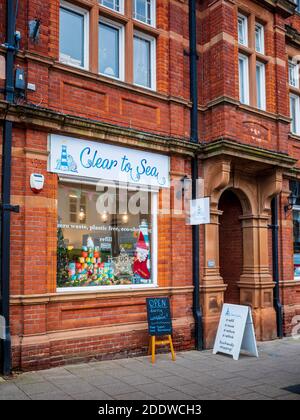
(231, 245)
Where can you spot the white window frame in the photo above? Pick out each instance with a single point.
(297, 114)
(153, 13)
(152, 41)
(245, 29)
(261, 29)
(121, 30)
(295, 71)
(110, 8)
(262, 91)
(245, 60)
(153, 250)
(85, 15)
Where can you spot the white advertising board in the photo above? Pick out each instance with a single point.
(200, 211)
(235, 332)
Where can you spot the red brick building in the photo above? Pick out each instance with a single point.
(107, 85)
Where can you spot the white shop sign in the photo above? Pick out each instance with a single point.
(200, 211)
(77, 157)
(235, 332)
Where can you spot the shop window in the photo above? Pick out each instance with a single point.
(111, 48)
(110, 246)
(73, 35)
(144, 60)
(144, 11)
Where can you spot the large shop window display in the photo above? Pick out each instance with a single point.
(99, 247)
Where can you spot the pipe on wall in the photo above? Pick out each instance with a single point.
(197, 312)
(276, 299)
(6, 207)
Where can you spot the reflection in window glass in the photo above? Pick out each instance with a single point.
(71, 37)
(142, 62)
(109, 50)
(103, 248)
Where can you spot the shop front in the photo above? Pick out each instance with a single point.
(107, 214)
(103, 236)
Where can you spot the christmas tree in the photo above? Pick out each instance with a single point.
(62, 259)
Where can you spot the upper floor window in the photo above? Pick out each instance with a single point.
(259, 38)
(144, 10)
(116, 5)
(144, 60)
(111, 49)
(243, 29)
(261, 86)
(295, 113)
(293, 74)
(244, 79)
(73, 35)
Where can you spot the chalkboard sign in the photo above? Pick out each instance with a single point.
(159, 316)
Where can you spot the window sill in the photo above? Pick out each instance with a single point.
(294, 137)
(93, 289)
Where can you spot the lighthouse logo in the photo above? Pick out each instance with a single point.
(66, 162)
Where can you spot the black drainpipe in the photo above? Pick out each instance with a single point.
(6, 207)
(197, 312)
(277, 303)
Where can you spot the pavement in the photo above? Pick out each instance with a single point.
(275, 375)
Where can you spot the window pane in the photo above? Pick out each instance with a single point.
(259, 38)
(71, 37)
(242, 30)
(109, 50)
(104, 248)
(260, 86)
(142, 62)
(293, 114)
(243, 82)
(142, 10)
(112, 4)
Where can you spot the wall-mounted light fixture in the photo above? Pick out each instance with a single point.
(292, 199)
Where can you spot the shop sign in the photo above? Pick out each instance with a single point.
(159, 316)
(200, 211)
(235, 332)
(82, 158)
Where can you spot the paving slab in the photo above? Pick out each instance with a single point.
(198, 375)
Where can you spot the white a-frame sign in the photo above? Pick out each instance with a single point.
(235, 332)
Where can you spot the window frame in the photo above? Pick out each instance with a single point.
(121, 11)
(121, 29)
(262, 91)
(153, 12)
(245, 60)
(245, 29)
(85, 13)
(153, 250)
(262, 38)
(152, 41)
(297, 112)
(296, 76)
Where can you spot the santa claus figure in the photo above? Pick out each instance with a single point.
(140, 264)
